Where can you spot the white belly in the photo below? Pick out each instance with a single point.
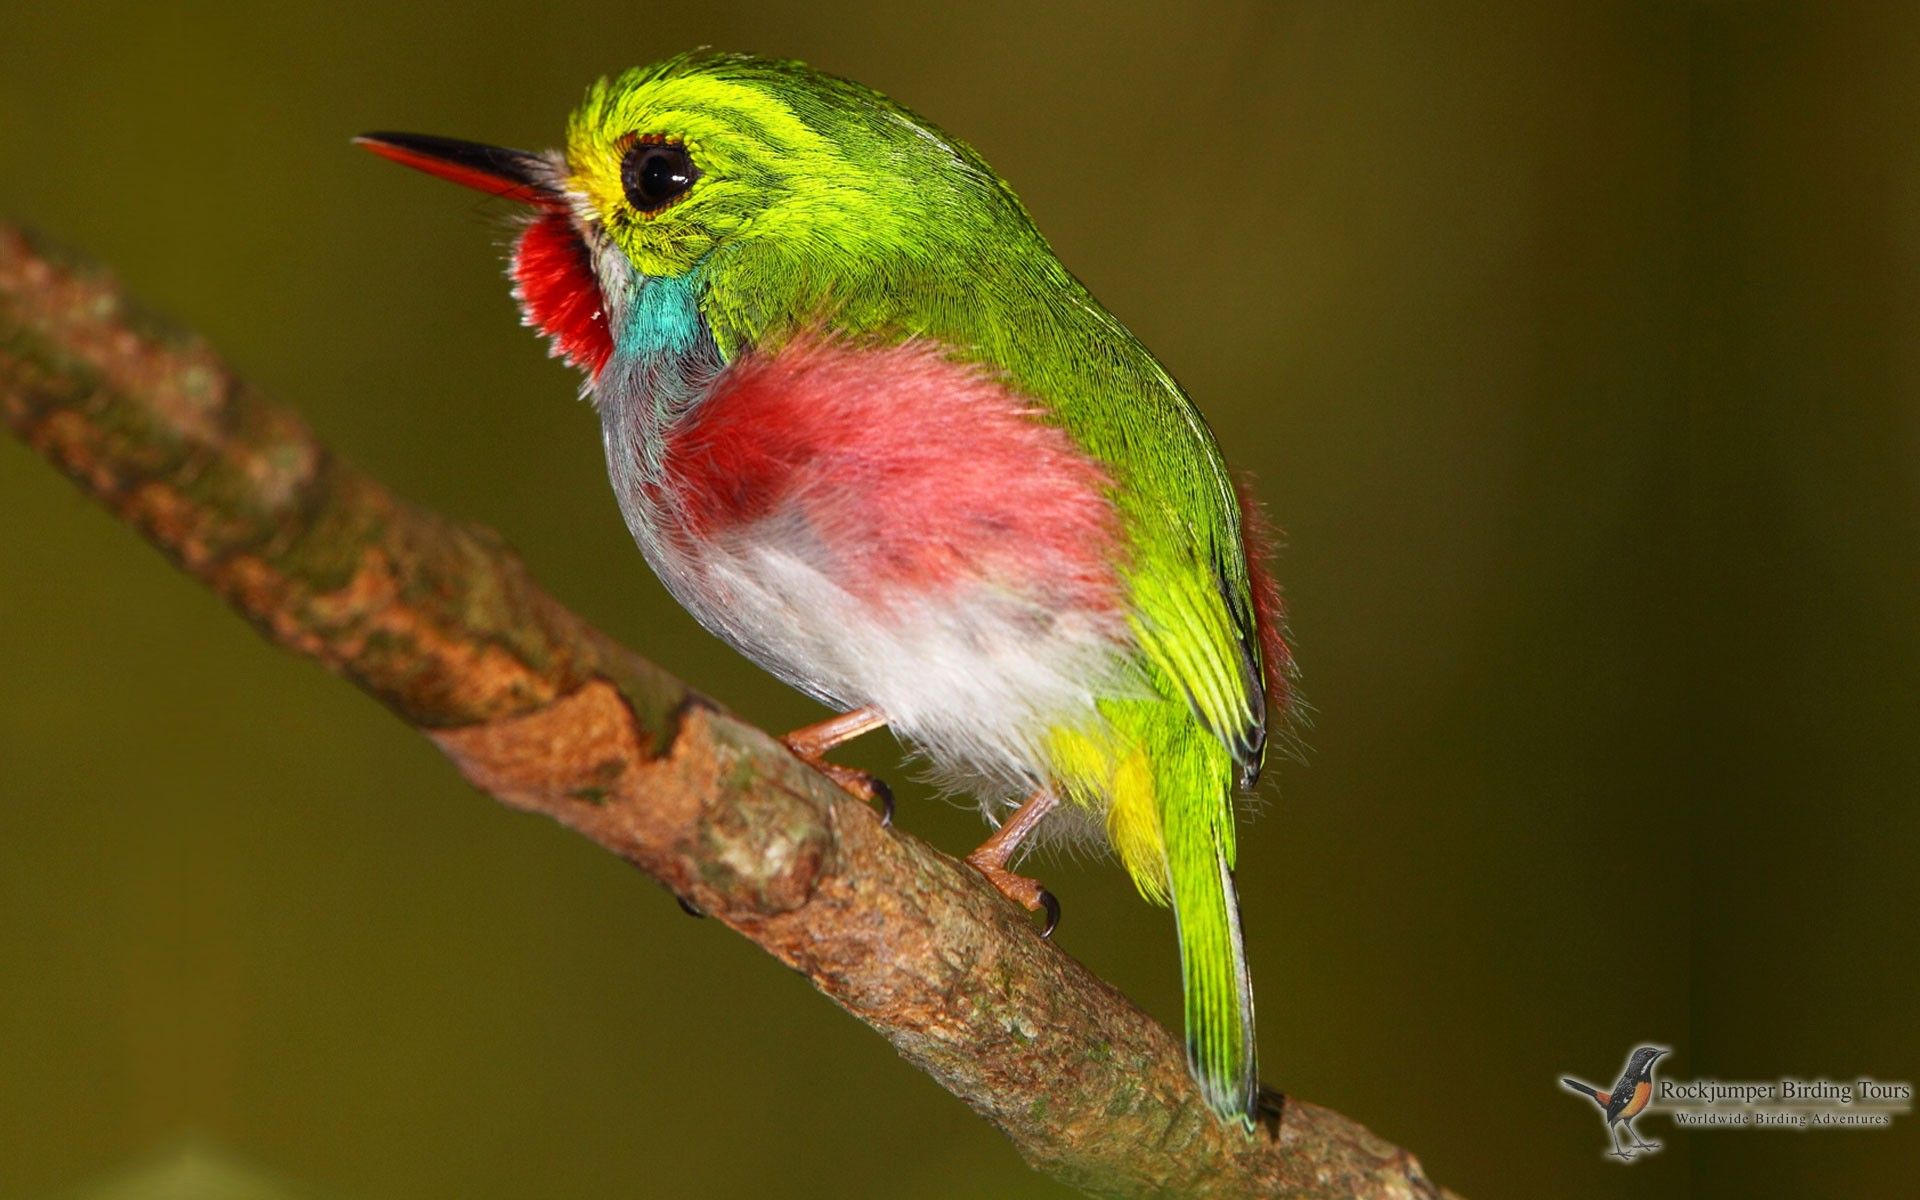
(973, 675)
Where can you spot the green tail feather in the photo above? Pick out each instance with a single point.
(1213, 966)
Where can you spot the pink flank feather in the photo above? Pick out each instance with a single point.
(1258, 541)
(908, 507)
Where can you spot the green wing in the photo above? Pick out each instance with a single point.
(1194, 621)
(1193, 602)
(1193, 617)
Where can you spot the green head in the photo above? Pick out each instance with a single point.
(789, 192)
(783, 157)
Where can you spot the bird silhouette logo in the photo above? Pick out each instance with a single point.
(1627, 1099)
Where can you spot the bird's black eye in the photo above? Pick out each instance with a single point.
(655, 174)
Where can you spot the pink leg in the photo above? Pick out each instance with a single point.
(994, 853)
(810, 746)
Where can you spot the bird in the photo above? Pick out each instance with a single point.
(1627, 1099)
(869, 430)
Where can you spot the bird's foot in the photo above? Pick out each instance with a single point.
(810, 746)
(856, 783)
(991, 857)
(1622, 1155)
(1646, 1145)
(1027, 893)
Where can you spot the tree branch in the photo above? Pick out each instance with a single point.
(440, 622)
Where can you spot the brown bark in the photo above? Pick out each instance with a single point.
(439, 621)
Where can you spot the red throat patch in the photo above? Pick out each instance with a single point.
(559, 294)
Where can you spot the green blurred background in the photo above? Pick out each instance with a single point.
(1574, 348)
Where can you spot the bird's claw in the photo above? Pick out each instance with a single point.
(1027, 893)
(1052, 905)
(854, 782)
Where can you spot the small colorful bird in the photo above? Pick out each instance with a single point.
(867, 429)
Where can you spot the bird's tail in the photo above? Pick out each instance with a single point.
(1591, 1092)
(1213, 966)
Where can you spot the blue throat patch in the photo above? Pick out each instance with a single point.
(665, 357)
(664, 320)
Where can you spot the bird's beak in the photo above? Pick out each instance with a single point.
(509, 174)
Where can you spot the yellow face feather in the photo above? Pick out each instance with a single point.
(765, 174)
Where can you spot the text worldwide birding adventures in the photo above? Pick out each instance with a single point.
(869, 430)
